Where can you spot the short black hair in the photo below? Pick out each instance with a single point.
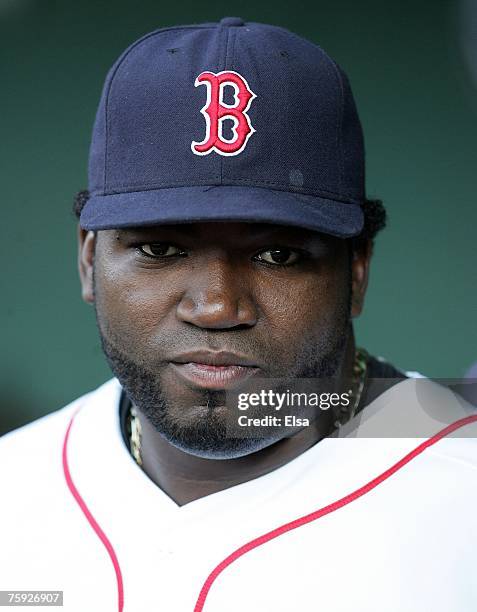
(375, 218)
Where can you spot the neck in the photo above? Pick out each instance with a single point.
(185, 477)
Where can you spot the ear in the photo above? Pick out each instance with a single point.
(86, 247)
(360, 274)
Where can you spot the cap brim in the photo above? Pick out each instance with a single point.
(222, 203)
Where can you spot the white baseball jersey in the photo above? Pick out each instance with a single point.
(334, 529)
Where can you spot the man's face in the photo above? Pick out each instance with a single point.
(186, 311)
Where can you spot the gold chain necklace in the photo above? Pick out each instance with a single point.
(360, 368)
(343, 415)
(135, 435)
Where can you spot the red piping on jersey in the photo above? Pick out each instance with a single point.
(84, 508)
(308, 518)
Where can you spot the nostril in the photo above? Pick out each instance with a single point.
(242, 326)
(216, 312)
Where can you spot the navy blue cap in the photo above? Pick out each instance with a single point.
(229, 121)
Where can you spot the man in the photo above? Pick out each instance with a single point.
(225, 241)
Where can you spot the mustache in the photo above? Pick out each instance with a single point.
(170, 344)
(220, 340)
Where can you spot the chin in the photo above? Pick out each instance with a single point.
(220, 448)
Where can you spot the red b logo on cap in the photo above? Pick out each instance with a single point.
(216, 111)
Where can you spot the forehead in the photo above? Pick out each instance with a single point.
(222, 232)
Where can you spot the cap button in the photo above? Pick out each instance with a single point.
(232, 21)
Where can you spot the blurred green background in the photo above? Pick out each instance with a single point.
(406, 64)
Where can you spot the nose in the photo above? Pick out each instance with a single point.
(217, 297)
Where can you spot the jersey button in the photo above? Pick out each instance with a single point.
(232, 21)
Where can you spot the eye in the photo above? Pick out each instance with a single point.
(279, 256)
(160, 249)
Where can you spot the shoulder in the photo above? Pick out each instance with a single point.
(33, 440)
(32, 461)
(41, 523)
(420, 409)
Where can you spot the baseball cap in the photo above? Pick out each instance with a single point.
(228, 121)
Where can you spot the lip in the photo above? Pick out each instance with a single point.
(213, 369)
(214, 358)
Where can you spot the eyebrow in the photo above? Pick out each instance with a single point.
(255, 231)
(149, 229)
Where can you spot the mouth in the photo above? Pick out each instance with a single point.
(214, 369)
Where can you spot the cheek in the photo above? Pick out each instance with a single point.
(131, 305)
(300, 309)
